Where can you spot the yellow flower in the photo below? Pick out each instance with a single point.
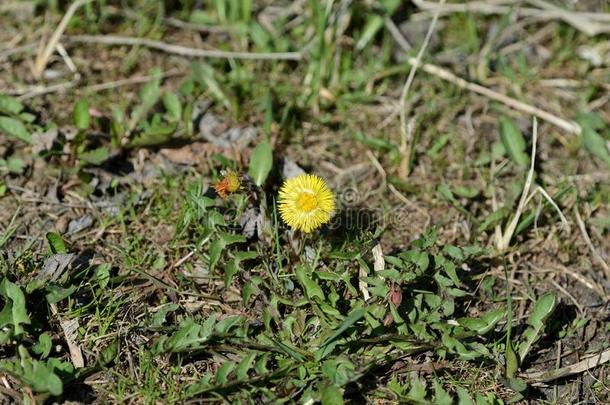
(306, 202)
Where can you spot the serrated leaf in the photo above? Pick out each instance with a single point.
(513, 141)
(261, 163)
(543, 308)
(95, 156)
(15, 128)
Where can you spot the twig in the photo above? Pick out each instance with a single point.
(40, 90)
(43, 57)
(131, 80)
(510, 229)
(576, 20)
(444, 74)
(174, 22)
(67, 59)
(588, 23)
(182, 50)
(585, 236)
(581, 366)
(5, 53)
(403, 97)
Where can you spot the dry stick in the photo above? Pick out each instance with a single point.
(585, 22)
(580, 22)
(4, 54)
(581, 366)
(585, 235)
(182, 50)
(43, 57)
(41, 90)
(567, 125)
(510, 229)
(444, 74)
(407, 144)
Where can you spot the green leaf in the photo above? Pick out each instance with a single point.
(81, 115)
(261, 162)
(171, 102)
(95, 156)
(513, 141)
(56, 293)
(536, 323)
(189, 335)
(15, 165)
(372, 25)
(216, 249)
(231, 270)
(463, 397)
(222, 374)
(149, 95)
(14, 312)
(56, 243)
(512, 361)
(10, 105)
(441, 397)
(417, 393)
(595, 143)
(109, 353)
(44, 345)
(225, 326)
(102, 274)
(330, 394)
(38, 375)
(493, 219)
(312, 289)
(484, 323)
(241, 372)
(204, 74)
(353, 317)
(339, 370)
(15, 128)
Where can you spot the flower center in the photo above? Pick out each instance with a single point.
(307, 202)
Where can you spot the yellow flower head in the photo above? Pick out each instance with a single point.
(306, 202)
